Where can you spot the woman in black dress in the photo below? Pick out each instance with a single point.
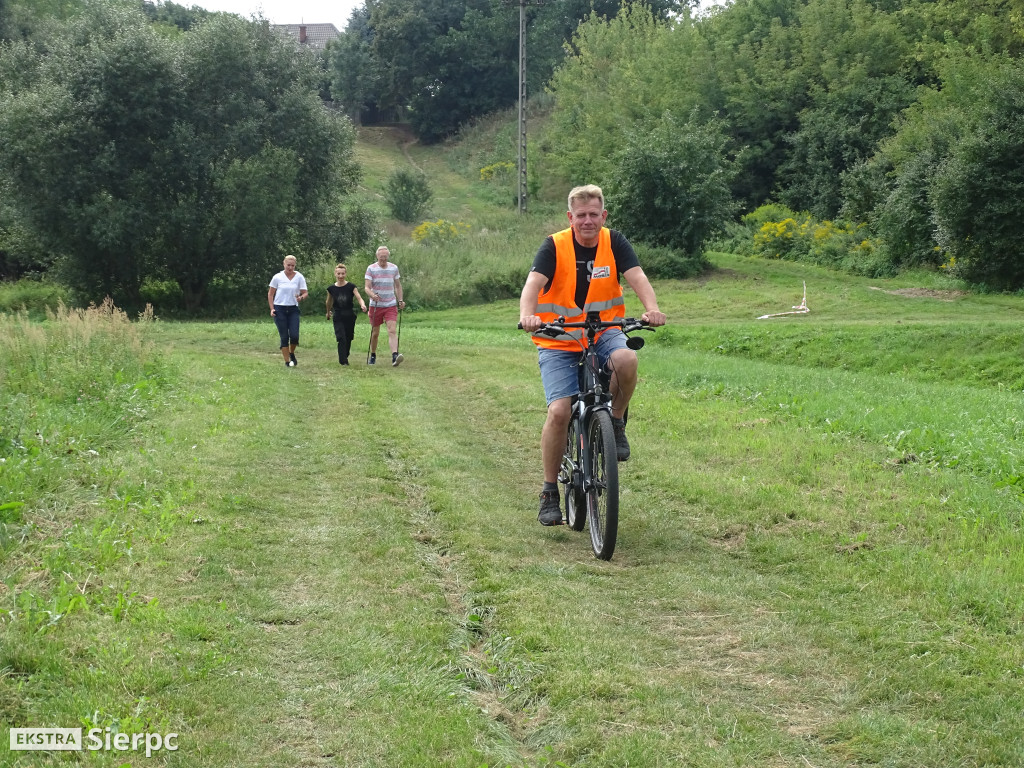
(341, 308)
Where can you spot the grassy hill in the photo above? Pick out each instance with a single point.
(819, 559)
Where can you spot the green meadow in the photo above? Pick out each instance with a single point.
(819, 560)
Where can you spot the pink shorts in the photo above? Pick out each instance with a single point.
(379, 315)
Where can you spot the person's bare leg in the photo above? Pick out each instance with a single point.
(624, 367)
(553, 437)
(392, 336)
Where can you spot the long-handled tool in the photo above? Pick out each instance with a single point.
(398, 341)
(370, 338)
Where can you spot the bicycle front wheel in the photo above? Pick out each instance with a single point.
(601, 485)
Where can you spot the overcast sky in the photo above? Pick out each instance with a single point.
(334, 12)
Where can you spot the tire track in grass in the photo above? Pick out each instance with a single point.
(482, 666)
(335, 637)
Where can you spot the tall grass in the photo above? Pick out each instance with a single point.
(72, 388)
(75, 354)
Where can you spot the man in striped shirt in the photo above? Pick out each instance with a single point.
(384, 287)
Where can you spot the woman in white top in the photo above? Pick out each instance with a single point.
(287, 289)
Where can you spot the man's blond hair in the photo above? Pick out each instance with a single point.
(585, 193)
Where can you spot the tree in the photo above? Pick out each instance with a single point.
(978, 191)
(21, 253)
(902, 219)
(601, 90)
(841, 130)
(83, 126)
(757, 55)
(352, 70)
(255, 157)
(926, 133)
(854, 60)
(173, 15)
(193, 159)
(408, 195)
(471, 71)
(670, 184)
(441, 63)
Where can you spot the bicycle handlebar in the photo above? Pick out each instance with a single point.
(627, 324)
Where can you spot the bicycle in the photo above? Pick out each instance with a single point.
(589, 474)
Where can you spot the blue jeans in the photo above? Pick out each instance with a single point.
(560, 369)
(287, 321)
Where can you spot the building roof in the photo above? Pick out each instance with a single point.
(313, 35)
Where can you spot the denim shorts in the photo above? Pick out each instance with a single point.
(560, 369)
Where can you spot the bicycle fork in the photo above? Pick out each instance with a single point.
(572, 465)
(588, 477)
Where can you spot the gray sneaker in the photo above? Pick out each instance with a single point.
(621, 443)
(550, 508)
(397, 358)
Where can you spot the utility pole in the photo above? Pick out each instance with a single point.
(522, 106)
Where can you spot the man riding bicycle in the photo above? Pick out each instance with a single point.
(576, 268)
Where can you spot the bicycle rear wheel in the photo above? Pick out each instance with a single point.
(602, 485)
(571, 479)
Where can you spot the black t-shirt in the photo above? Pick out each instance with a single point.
(343, 295)
(545, 260)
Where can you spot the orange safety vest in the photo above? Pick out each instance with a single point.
(604, 294)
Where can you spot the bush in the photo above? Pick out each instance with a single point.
(21, 253)
(670, 184)
(501, 183)
(36, 297)
(735, 237)
(903, 220)
(440, 231)
(496, 286)
(669, 264)
(408, 195)
(164, 295)
(765, 213)
(801, 237)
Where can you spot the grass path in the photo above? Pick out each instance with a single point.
(313, 563)
(321, 561)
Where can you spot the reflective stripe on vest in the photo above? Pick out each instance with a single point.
(604, 294)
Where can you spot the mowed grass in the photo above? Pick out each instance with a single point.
(819, 560)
